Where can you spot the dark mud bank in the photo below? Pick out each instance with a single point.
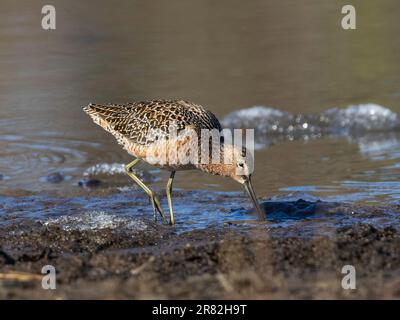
(230, 261)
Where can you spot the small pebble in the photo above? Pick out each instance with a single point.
(90, 183)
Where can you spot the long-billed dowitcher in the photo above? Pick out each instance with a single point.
(139, 127)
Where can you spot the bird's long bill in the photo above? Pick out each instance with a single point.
(249, 188)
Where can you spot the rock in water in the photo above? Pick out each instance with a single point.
(55, 177)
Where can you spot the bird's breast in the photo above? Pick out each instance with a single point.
(170, 154)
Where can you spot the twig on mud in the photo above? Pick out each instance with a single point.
(20, 276)
(224, 282)
(139, 269)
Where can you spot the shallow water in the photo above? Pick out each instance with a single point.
(328, 100)
(294, 214)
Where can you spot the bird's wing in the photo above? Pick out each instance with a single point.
(143, 122)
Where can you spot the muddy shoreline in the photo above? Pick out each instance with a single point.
(135, 258)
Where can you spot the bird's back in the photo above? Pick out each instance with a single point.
(133, 123)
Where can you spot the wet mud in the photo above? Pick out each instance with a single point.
(121, 253)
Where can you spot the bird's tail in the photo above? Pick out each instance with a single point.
(106, 116)
(103, 110)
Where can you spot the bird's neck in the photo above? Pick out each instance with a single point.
(213, 160)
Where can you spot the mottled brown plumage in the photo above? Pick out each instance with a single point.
(136, 119)
(143, 128)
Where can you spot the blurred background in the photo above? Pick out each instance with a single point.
(227, 55)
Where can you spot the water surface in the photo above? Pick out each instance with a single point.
(230, 55)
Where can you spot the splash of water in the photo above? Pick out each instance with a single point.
(96, 220)
(273, 124)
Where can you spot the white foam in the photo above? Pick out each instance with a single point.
(95, 220)
(105, 168)
(354, 118)
(263, 119)
(362, 117)
(255, 113)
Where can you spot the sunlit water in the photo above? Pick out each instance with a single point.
(324, 102)
(365, 170)
(293, 214)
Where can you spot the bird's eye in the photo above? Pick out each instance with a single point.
(241, 164)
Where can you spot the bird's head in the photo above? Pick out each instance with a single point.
(237, 163)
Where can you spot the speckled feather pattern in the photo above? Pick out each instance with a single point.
(142, 128)
(135, 120)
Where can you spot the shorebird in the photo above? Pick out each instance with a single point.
(142, 128)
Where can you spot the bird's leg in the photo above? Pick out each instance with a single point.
(154, 201)
(169, 190)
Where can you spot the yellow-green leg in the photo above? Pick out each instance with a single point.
(169, 190)
(154, 201)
